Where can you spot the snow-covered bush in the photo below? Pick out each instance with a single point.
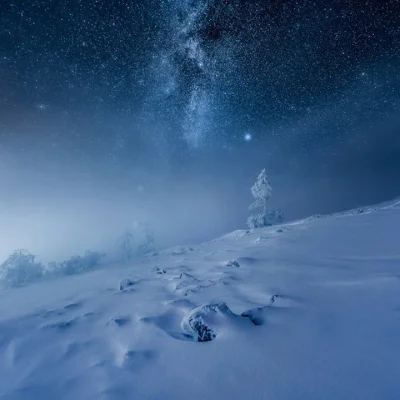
(256, 221)
(262, 220)
(19, 269)
(76, 264)
(274, 217)
(261, 191)
(137, 241)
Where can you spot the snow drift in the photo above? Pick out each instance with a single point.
(308, 309)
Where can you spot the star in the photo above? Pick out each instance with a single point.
(247, 137)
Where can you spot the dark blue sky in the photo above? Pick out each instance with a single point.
(171, 90)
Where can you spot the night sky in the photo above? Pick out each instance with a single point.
(207, 91)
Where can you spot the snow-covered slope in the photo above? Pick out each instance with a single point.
(305, 310)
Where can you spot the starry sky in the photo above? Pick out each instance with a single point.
(167, 92)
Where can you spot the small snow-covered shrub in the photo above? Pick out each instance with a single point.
(256, 221)
(77, 264)
(274, 217)
(19, 269)
(263, 220)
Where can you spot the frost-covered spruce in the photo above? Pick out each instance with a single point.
(261, 191)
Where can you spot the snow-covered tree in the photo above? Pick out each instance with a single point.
(20, 268)
(148, 243)
(136, 241)
(261, 191)
(126, 245)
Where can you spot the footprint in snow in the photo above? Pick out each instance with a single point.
(198, 288)
(73, 306)
(186, 284)
(120, 321)
(134, 359)
(246, 260)
(50, 313)
(185, 280)
(61, 326)
(258, 315)
(239, 262)
(75, 348)
(181, 304)
(169, 322)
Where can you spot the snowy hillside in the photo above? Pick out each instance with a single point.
(304, 310)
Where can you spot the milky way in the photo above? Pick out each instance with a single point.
(119, 80)
(191, 63)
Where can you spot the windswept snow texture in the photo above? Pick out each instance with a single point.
(304, 310)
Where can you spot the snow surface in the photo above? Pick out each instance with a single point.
(304, 310)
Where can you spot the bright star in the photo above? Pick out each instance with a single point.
(248, 137)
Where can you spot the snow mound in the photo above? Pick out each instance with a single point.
(233, 263)
(258, 315)
(200, 324)
(126, 283)
(186, 284)
(158, 271)
(178, 251)
(204, 323)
